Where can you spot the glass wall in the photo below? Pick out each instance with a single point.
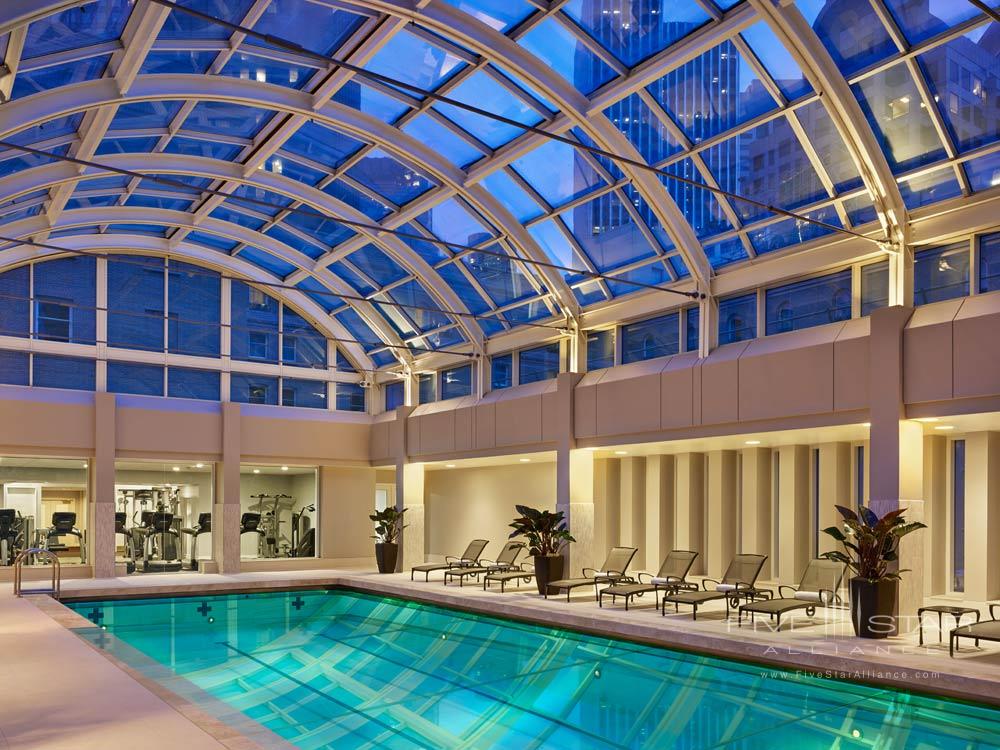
(958, 515)
(43, 503)
(540, 363)
(737, 318)
(163, 515)
(600, 349)
(395, 395)
(808, 303)
(656, 337)
(278, 516)
(941, 273)
(456, 382)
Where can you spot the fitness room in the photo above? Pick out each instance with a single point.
(278, 518)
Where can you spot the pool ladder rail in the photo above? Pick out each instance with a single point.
(50, 556)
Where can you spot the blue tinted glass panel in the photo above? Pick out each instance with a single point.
(371, 207)
(482, 90)
(428, 130)
(558, 172)
(254, 324)
(382, 174)
(224, 118)
(260, 69)
(65, 300)
(452, 221)
(313, 26)
(253, 389)
(185, 26)
(185, 383)
(327, 231)
(359, 329)
(376, 265)
(540, 363)
(366, 99)
(92, 23)
(860, 209)
(825, 139)
(725, 252)
(892, 103)
(738, 318)
(204, 148)
(456, 382)
(426, 387)
(293, 170)
(135, 303)
(497, 14)
(607, 232)
(874, 287)
(350, 397)
(647, 339)
(804, 304)
(153, 201)
(600, 349)
(460, 283)
(395, 395)
(527, 313)
(322, 145)
(13, 368)
(929, 188)
(126, 146)
(989, 263)
(60, 126)
(984, 172)
(64, 372)
(301, 344)
(267, 261)
(778, 61)
(512, 196)
(793, 231)
(295, 242)
(941, 273)
(213, 241)
(651, 273)
(195, 298)
(692, 331)
(310, 394)
(647, 133)
(127, 377)
(557, 48)
(920, 22)
(411, 59)
(501, 371)
(177, 61)
(22, 162)
(556, 245)
(851, 32)
(423, 314)
(254, 198)
(140, 115)
(34, 81)
(700, 207)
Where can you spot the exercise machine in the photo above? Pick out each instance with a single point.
(303, 535)
(161, 549)
(63, 524)
(204, 526)
(120, 518)
(8, 536)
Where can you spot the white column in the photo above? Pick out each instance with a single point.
(982, 516)
(936, 497)
(834, 489)
(793, 512)
(659, 509)
(632, 500)
(102, 488)
(689, 504)
(756, 489)
(410, 495)
(722, 511)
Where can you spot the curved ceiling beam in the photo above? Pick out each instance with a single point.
(140, 244)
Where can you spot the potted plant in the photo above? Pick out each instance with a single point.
(388, 524)
(871, 545)
(547, 534)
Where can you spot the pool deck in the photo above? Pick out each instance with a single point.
(104, 703)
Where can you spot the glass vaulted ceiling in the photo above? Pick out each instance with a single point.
(703, 90)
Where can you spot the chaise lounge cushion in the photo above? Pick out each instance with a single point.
(810, 596)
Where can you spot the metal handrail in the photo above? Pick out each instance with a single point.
(56, 572)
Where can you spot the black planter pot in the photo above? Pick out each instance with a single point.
(874, 607)
(385, 556)
(547, 568)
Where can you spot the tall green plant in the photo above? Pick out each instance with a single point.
(545, 531)
(388, 524)
(871, 543)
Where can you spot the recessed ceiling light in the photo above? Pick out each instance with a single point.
(85, 464)
(751, 442)
(928, 419)
(284, 468)
(199, 466)
(621, 453)
(945, 427)
(866, 424)
(524, 460)
(449, 466)
(256, 471)
(177, 468)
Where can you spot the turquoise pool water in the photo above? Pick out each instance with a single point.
(340, 669)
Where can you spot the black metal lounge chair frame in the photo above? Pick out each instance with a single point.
(994, 621)
(503, 577)
(743, 590)
(787, 604)
(610, 575)
(491, 566)
(629, 591)
(450, 561)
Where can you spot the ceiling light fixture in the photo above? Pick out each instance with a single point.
(449, 466)
(928, 419)
(256, 471)
(621, 453)
(199, 466)
(524, 460)
(866, 424)
(751, 442)
(945, 427)
(284, 468)
(177, 468)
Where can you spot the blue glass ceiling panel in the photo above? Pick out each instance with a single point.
(497, 14)
(127, 146)
(768, 164)
(91, 201)
(964, 77)
(556, 47)
(555, 244)
(920, 22)
(352, 278)
(792, 231)
(893, 106)
(223, 118)
(371, 102)
(428, 131)
(89, 24)
(646, 214)
(326, 230)
(382, 174)
(850, 31)
(320, 294)
(205, 148)
(607, 233)
(452, 221)
(322, 145)
(589, 293)
(412, 59)
(651, 273)
(429, 251)
(413, 293)
(292, 169)
(24, 213)
(484, 91)
(253, 194)
(651, 138)
(527, 313)
(984, 172)
(633, 31)
(679, 266)
(374, 209)
(167, 62)
(20, 162)
(110, 184)
(376, 265)
(713, 93)
(441, 339)
(184, 26)
(149, 229)
(500, 278)
(383, 358)
(700, 207)
(929, 188)
(359, 329)
(47, 130)
(860, 209)
(558, 172)
(295, 242)
(143, 115)
(777, 59)
(512, 196)
(33, 81)
(214, 241)
(825, 139)
(156, 201)
(222, 213)
(267, 261)
(725, 252)
(262, 70)
(464, 288)
(315, 27)
(191, 185)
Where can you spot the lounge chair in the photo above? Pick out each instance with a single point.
(669, 578)
(521, 575)
(468, 559)
(818, 588)
(987, 630)
(613, 570)
(506, 560)
(739, 582)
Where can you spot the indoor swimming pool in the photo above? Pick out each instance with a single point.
(342, 669)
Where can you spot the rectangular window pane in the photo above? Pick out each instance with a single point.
(64, 372)
(989, 262)
(13, 368)
(395, 395)
(282, 503)
(65, 300)
(456, 382)
(255, 324)
(307, 393)
(426, 388)
(600, 349)
(502, 371)
(874, 287)
(647, 339)
(135, 303)
(958, 516)
(253, 389)
(540, 363)
(128, 377)
(738, 318)
(194, 298)
(14, 303)
(692, 331)
(184, 383)
(350, 397)
(808, 303)
(302, 344)
(941, 273)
